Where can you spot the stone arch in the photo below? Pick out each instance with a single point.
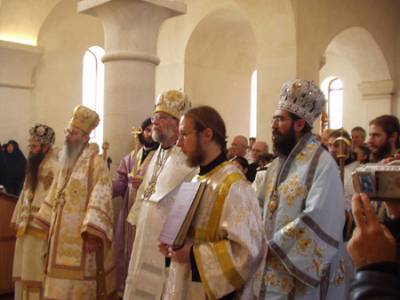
(355, 57)
(220, 57)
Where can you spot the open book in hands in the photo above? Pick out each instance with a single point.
(182, 213)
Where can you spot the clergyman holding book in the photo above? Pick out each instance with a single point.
(155, 197)
(226, 240)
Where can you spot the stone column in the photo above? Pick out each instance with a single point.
(131, 30)
(378, 96)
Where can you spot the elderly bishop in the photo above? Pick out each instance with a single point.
(155, 197)
(78, 213)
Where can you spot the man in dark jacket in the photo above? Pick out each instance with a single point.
(374, 251)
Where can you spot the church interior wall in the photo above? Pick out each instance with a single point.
(17, 63)
(354, 57)
(20, 21)
(318, 22)
(15, 107)
(173, 38)
(65, 36)
(340, 67)
(211, 63)
(273, 25)
(396, 96)
(280, 39)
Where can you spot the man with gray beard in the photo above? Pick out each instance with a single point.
(155, 197)
(31, 244)
(78, 213)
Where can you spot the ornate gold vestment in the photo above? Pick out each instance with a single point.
(79, 203)
(166, 171)
(229, 240)
(31, 244)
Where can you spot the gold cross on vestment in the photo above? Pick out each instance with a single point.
(160, 162)
(150, 189)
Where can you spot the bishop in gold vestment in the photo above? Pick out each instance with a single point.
(157, 193)
(79, 215)
(31, 244)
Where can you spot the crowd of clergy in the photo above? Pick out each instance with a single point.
(279, 223)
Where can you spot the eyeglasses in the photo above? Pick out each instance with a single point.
(159, 118)
(185, 135)
(69, 131)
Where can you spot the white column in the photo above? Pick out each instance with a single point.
(131, 30)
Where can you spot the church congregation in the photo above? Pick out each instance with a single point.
(234, 166)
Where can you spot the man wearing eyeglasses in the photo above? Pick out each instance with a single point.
(155, 197)
(227, 242)
(304, 206)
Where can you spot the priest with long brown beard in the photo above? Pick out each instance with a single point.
(31, 244)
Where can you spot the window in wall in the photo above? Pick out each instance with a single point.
(335, 103)
(253, 104)
(93, 87)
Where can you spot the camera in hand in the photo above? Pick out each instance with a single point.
(379, 182)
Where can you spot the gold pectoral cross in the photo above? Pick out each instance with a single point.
(150, 189)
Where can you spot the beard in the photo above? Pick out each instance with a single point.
(382, 152)
(148, 143)
(70, 153)
(161, 136)
(151, 145)
(284, 142)
(197, 157)
(32, 169)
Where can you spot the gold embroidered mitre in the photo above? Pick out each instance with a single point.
(42, 134)
(85, 119)
(172, 102)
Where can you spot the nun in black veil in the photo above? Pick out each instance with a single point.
(14, 168)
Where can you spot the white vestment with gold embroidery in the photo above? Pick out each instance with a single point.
(304, 227)
(146, 274)
(83, 206)
(31, 243)
(229, 240)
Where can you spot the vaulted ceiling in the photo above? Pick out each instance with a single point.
(20, 21)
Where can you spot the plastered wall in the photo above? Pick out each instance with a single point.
(281, 39)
